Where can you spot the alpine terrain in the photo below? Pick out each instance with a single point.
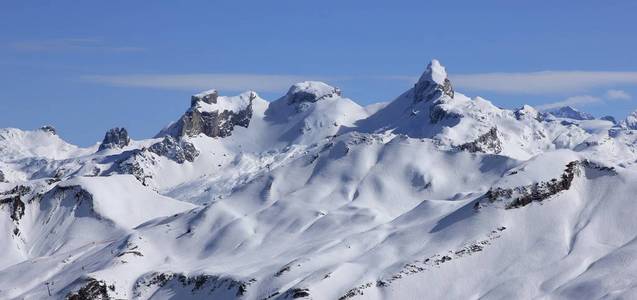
(434, 195)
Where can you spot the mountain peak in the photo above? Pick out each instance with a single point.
(48, 128)
(209, 96)
(213, 115)
(115, 138)
(570, 112)
(435, 72)
(310, 91)
(433, 83)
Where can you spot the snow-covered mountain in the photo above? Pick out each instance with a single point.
(569, 112)
(434, 195)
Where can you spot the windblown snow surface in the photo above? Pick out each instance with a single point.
(434, 195)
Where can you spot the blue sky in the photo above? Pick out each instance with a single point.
(86, 66)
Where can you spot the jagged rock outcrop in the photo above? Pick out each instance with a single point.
(136, 162)
(14, 198)
(133, 165)
(50, 129)
(433, 83)
(537, 192)
(203, 284)
(115, 138)
(179, 151)
(2, 178)
(93, 289)
(486, 143)
(213, 115)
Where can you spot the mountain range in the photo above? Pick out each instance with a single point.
(434, 195)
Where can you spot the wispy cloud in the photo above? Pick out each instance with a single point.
(538, 83)
(70, 44)
(228, 82)
(571, 101)
(618, 95)
(543, 82)
(582, 100)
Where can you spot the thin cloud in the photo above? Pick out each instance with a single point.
(70, 44)
(571, 101)
(543, 82)
(539, 83)
(618, 95)
(229, 82)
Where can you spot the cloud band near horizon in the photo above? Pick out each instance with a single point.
(229, 82)
(546, 82)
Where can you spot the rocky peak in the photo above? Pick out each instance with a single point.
(48, 128)
(433, 83)
(213, 115)
(569, 112)
(209, 96)
(115, 138)
(310, 91)
(526, 112)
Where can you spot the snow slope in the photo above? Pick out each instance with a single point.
(434, 195)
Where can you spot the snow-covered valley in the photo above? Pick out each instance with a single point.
(434, 195)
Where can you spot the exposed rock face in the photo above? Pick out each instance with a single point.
(2, 179)
(209, 97)
(486, 143)
(92, 290)
(133, 165)
(134, 162)
(215, 124)
(433, 83)
(438, 112)
(16, 206)
(15, 200)
(540, 191)
(213, 116)
(115, 138)
(49, 129)
(203, 284)
(178, 151)
(310, 91)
